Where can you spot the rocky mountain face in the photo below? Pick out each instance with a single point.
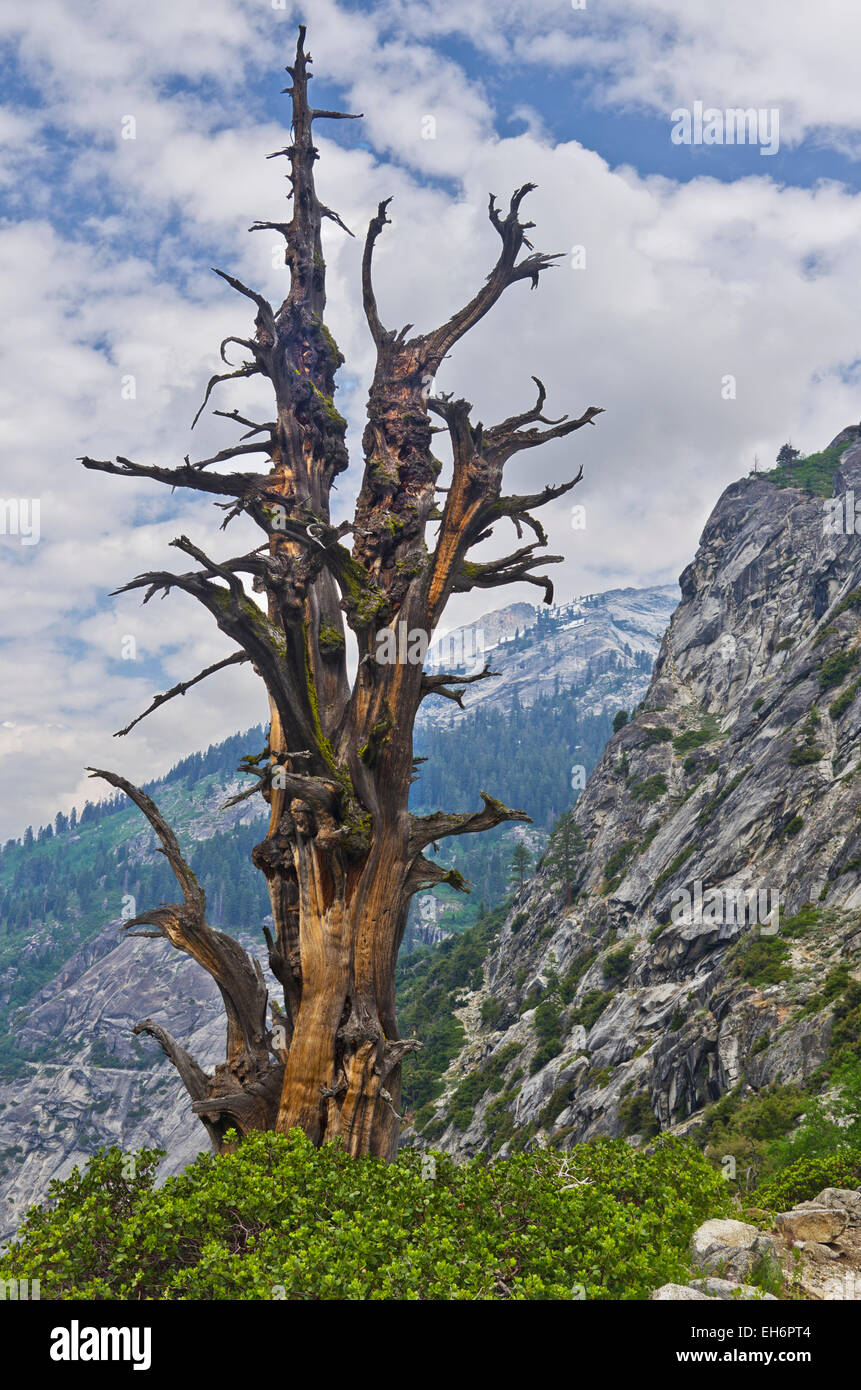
(715, 934)
(90, 1081)
(597, 635)
(96, 1083)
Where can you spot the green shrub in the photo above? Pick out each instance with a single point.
(693, 738)
(793, 826)
(836, 668)
(846, 1033)
(674, 866)
(637, 1116)
(650, 789)
(758, 703)
(620, 720)
(491, 1012)
(590, 1010)
(806, 1177)
(567, 987)
(815, 474)
(615, 965)
(801, 754)
(546, 1052)
(658, 734)
(772, 1112)
(546, 1021)
(619, 857)
(801, 922)
(852, 600)
(278, 1218)
(763, 961)
(842, 703)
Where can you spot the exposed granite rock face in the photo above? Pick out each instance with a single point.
(578, 640)
(57, 1116)
(740, 771)
(116, 1090)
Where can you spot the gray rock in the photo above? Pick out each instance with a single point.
(727, 1290)
(729, 1248)
(810, 1222)
(679, 1293)
(844, 1198)
(722, 1232)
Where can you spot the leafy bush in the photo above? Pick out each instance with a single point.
(590, 1010)
(830, 1126)
(801, 754)
(674, 866)
(763, 961)
(852, 600)
(806, 1177)
(658, 734)
(836, 668)
(548, 1026)
(491, 1012)
(487, 1077)
(815, 473)
(693, 738)
(615, 965)
(650, 789)
(278, 1218)
(842, 703)
(620, 720)
(615, 864)
(637, 1116)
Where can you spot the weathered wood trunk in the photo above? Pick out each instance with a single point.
(342, 855)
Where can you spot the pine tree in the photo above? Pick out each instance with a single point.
(564, 852)
(519, 864)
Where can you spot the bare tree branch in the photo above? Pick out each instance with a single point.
(235, 660)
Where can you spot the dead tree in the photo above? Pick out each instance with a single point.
(343, 854)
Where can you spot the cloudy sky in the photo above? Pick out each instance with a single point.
(684, 265)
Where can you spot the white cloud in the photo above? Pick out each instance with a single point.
(683, 284)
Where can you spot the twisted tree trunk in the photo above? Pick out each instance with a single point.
(342, 854)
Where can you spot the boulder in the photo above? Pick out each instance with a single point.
(841, 1198)
(722, 1232)
(726, 1289)
(670, 1293)
(810, 1222)
(729, 1248)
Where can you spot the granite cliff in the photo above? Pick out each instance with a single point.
(713, 946)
